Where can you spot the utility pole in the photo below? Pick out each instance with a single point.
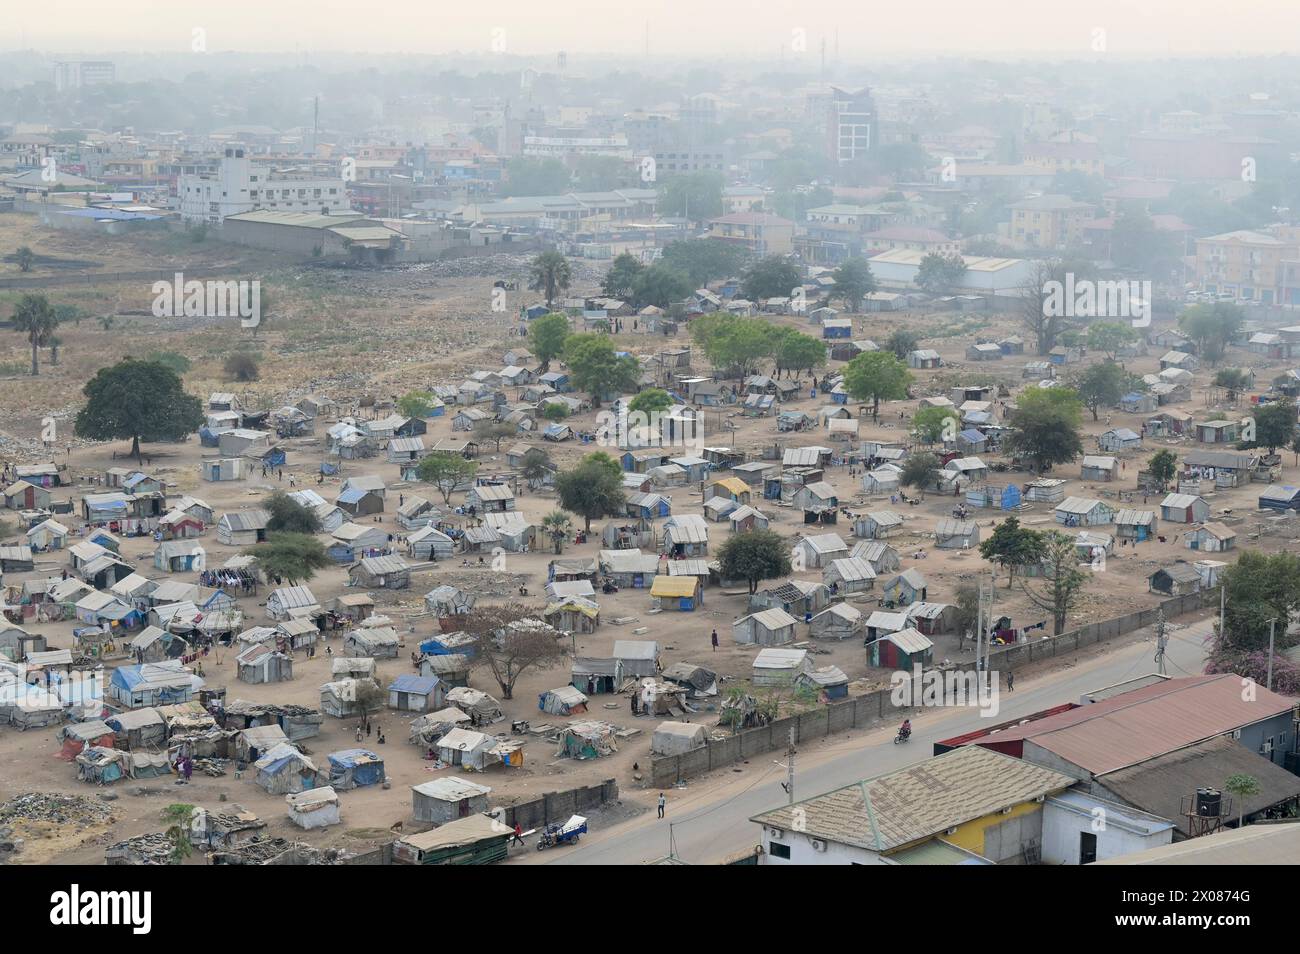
(1161, 641)
(788, 784)
(1272, 625)
(1223, 608)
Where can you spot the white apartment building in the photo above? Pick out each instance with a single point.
(76, 74)
(237, 187)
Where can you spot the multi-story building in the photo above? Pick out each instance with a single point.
(849, 125)
(77, 74)
(913, 237)
(1250, 266)
(236, 187)
(1070, 155)
(1049, 221)
(758, 232)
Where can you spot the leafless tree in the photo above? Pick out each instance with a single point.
(512, 639)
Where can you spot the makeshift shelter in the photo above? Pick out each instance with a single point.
(902, 650)
(473, 840)
(262, 663)
(432, 726)
(840, 621)
(81, 735)
(284, 770)
(778, 667)
(477, 751)
(481, 708)
(564, 701)
(769, 627)
(698, 681)
(411, 693)
(355, 768)
(444, 800)
(677, 738)
(339, 698)
(587, 740)
(374, 641)
(573, 615)
(830, 682)
(638, 657)
(592, 675)
(138, 729)
(314, 808)
(683, 593)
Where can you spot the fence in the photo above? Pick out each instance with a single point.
(869, 709)
(558, 806)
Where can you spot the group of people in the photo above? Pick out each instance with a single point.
(364, 729)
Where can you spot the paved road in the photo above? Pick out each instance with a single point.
(711, 823)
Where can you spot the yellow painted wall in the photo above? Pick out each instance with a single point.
(971, 835)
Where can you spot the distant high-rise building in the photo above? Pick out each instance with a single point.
(76, 74)
(850, 123)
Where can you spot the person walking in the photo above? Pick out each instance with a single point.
(662, 803)
(1011, 681)
(715, 640)
(519, 835)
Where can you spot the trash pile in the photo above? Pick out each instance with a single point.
(55, 808)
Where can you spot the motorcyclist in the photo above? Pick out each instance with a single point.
(905, 729)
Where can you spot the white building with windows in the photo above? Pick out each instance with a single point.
(236, 186)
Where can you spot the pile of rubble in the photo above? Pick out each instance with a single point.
(54, 807)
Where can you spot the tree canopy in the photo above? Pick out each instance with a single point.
(853, 281)
(546, 337)
(291, 557)
(289, 516)
(140, 400)
(875, 376)
(772, 277)
(35, 319)
(1011, 546)
(446, 472)
(1045, 426)
(754, 556)
(595, 367)
(592, 489)
(550, 274)
(1212, 327)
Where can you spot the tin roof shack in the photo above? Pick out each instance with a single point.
(377, 641)
(444, 800)
(474, 840)
(283, 770)
(1278, 497)
(345, 698)
(355, 768)
(587, 740)
(821, 550)
(411, 693)
(1177, 580)
(677, 738)
(451, 668)
(908, 587)
(477, 751)
(840, 621)
(1184, 508)
(384, 573)
(1083, 512)
(290, 601)
(902, 650)
(427, 729)
(242, 528)
(263, 663)
(481, 708)
(954, 534)
(829, 683)
(682, 593)
(151, 684)
(314, 808)
(1211, 538)
(138, 729)
(799, 598)
(961, 807)
(779, 667)
(769, 627)
(849, 575)
(878, 524)
(686, 535)
(638, 658)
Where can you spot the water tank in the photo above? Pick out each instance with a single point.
(1208, 802)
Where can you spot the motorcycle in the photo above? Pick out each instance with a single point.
(903, 736)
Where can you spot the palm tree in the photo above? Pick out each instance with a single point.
(36, 319)
(54, 343)
(558, 526)
(550, 275)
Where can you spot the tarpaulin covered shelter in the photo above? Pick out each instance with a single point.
(432, 726)
(81, 735)
(314, 808)
(284, 770)
(677, 738)
(474, 840)
(587, 740)
(446, 799)
(138, 728)
(354, 768)
(592, 675)
(478, 705)
(698, 680)
(566, 700)
(339, 698)
(471, 750)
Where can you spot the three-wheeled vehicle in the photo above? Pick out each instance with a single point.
(562, 834)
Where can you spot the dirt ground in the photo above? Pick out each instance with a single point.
(349, 333)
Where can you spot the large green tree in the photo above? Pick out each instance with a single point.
(940, 274)
(1102, 385)
(1011, 546)
(1275, 424)
(753, 557)
(733, 344)
(595, 367)
(875, 376)
(1045, 426)
(36, 319)
(289, 516)
(694, 196)
(1213, 327)
(772, 277)
(620, 280)
(546, 337)
(446, 472)
(140, 400)
(292, 557)
(1062, 582)
(795, 351)
(592, 489)
(853, 281)
(703, 259)
(661, 285)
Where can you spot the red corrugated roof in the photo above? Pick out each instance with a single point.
(1147, 722)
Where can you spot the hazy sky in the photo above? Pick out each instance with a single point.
(720, 28)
